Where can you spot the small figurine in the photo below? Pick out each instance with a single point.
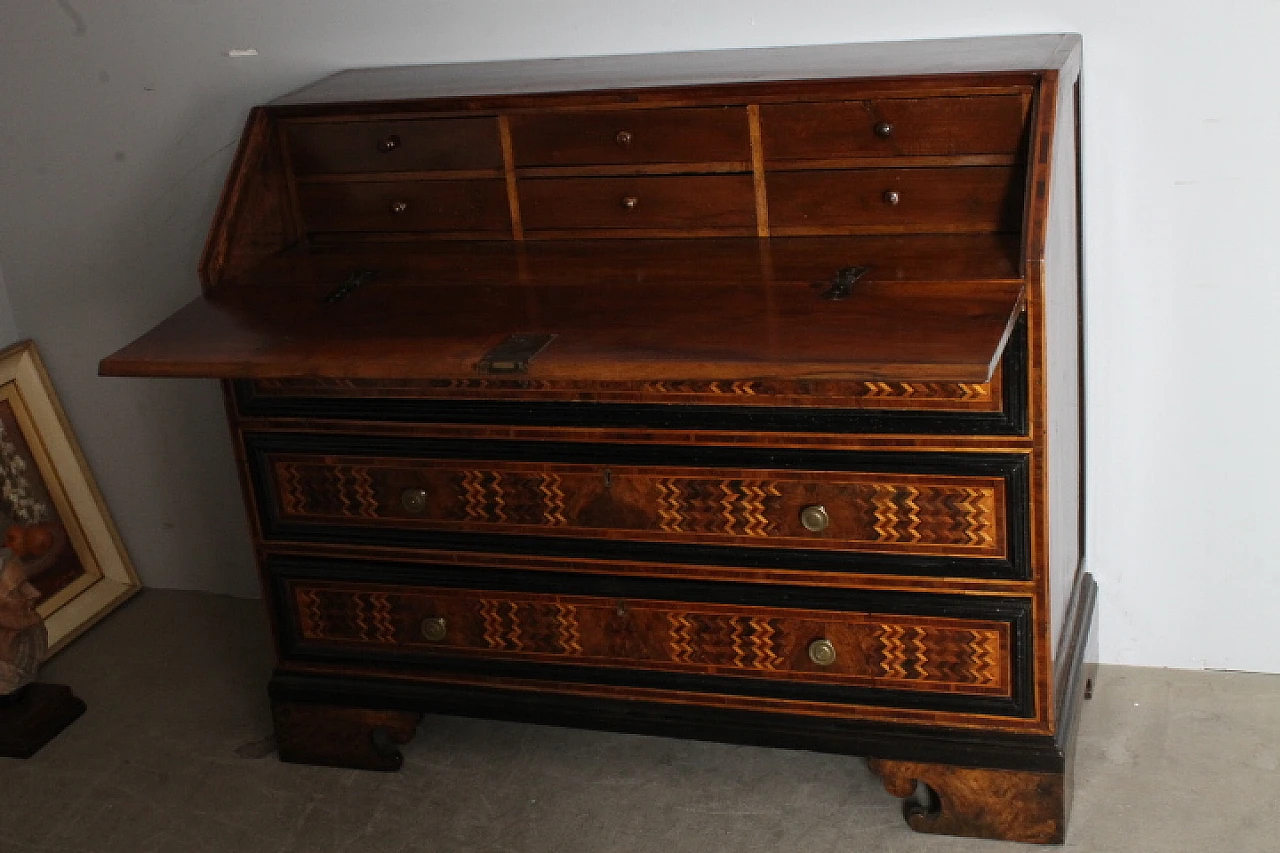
(23, 638)
(32, 713)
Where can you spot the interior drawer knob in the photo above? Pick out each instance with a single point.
(434, 629)
(398, 207)
(413, 500)
(884, 129)
(892, 197)
(822, 652)
(630, 202)
(815, 518)
(624, 138)
(388, 144)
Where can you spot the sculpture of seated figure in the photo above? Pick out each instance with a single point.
(23, 638)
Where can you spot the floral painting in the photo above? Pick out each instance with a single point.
(34, 532)
(53, 522)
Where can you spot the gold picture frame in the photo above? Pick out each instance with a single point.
(50, 508)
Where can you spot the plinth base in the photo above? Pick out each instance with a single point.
(35, 715)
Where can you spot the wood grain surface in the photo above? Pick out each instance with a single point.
(892, 332)
(621, 532)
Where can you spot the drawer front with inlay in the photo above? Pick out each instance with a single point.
(415, 145)
(692, 202)
(632, 136)
(973, 523)
(993, 124)
(469, 619)
(917, 653)
(962, 200)
(446, 205)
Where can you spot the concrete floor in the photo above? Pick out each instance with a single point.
(174, 756)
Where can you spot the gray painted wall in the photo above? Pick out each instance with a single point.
(117, 122)
(8, 325)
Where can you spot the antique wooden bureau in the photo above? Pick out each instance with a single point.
(728, 395)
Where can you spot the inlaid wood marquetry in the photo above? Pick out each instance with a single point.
(743, 493)
(904, 652)
(940, 396)
(958, 515)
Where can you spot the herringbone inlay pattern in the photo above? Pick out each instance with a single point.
(961, 514)
(825, 393)
(909, 652)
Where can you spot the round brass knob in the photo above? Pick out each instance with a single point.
(414, 500)
(398, 207)
(624, 138)
(884, 129)
(822, 652)
(389, 144)
(815, 518)
(434, 629)
(891, 197)
(630, 202)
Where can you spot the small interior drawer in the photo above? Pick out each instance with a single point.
(443, 205)
(407, 145)
(988, 124)
(618, 137)
(972, 199)
(666, 202)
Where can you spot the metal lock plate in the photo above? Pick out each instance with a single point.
(514, 354)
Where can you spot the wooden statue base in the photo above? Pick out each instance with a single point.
(35, 715)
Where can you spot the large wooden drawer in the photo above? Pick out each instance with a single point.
(617, 137)
(405, 145)
(989, 124)
(437, 205)
(848, 647)
(665, 202)
(900, 508)
(963, 200)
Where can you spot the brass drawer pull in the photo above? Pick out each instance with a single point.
(630, 202)
(414, 500)
(624, 138)
(398, 207)
(884, 129)
(822, 652)
(389, 144)
(434, 629)
(892, 197)
(815, 518)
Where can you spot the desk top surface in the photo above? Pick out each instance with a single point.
(727, 312)
(693, 68)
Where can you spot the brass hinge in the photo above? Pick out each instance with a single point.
(353, 283)
(842, 286)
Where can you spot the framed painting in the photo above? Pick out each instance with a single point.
(51, 513)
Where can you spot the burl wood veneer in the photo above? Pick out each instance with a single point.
(730, 395)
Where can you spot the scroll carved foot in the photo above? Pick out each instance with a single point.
(1007, 805)
(360, 738)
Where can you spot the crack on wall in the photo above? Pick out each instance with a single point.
(77, 20)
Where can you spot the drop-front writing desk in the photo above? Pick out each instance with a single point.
(725, 395)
